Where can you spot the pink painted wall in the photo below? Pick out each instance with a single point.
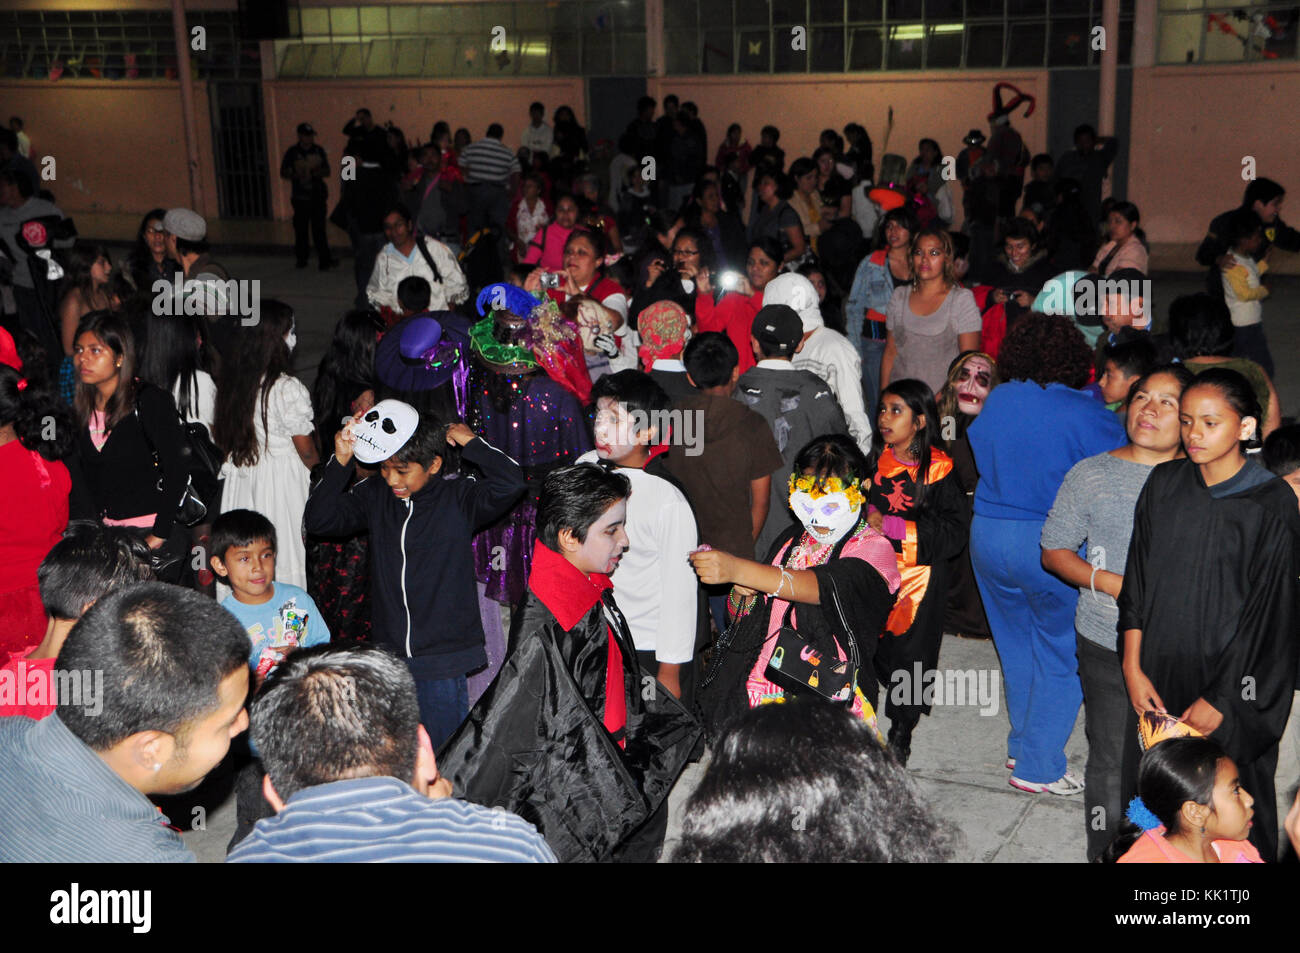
(1191, 127)
(118, 147)
(414, 106)
(941, 105)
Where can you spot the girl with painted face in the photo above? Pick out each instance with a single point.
(1208, 606)
(916, 502)
(971, 377)
(833, 541)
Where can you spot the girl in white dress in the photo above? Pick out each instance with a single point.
(264, 426)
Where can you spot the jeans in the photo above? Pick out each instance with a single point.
(1031, 616)
(872, 350)
(1105, 709)
(444, 704)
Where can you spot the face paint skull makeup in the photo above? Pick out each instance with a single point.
(384, 430)
(828, 511)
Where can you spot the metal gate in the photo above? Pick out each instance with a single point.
(239, 143)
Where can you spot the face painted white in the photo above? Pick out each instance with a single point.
(384, 430)
(973, 385)
(828, 518)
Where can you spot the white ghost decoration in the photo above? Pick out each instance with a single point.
(384, 430)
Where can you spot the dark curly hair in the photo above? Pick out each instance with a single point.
(1045, 349)
(806, 782)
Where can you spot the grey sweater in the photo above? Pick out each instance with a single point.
(1095, 505)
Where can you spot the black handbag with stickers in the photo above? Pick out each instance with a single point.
(801, 669)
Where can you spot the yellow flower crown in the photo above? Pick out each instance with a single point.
(809, 484)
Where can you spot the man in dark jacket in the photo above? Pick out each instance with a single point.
(425, 600)
(306, 166)
(1265, 198)
(573, 736)
(797, 404)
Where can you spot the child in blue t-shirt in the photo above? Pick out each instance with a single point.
(278, 617)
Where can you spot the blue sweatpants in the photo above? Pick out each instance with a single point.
(1031, 616)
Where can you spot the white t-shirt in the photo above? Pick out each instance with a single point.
(654, 584)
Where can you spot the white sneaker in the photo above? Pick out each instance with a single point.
(1011, 764)
(1066, 785)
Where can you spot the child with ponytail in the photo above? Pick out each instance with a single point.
(1190, 809)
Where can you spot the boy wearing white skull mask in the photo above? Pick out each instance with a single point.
(832, 578)
(425, 605)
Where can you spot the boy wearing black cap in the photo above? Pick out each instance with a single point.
(797, 404)
(306, 166)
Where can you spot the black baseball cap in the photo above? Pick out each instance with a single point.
(306, 129)
(778, 326)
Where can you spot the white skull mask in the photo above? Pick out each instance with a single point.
(384, 430)
(827, 518)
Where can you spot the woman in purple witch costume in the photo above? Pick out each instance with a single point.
(528, 384)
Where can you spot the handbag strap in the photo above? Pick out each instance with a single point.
(428, 259)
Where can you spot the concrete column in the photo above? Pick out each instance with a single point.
(1146, 23)
(183, 70)
(654, 38)
(1109, 68)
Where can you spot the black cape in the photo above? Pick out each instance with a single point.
(536, 742)
(1211, 583)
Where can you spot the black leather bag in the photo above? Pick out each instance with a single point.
(192, 510)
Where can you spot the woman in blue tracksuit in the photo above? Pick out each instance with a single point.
(1032, 430)
(889, 266)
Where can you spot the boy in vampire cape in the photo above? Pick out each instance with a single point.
(572, 735)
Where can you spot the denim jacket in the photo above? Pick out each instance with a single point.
(872, 287)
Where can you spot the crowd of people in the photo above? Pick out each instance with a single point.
(615, 451)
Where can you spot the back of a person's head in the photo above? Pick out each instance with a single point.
(1133, 357)
(1200, 325)
(1282, 450)
(637, 392)
(1243, 223)
(89, 562)
(329, 713)
(710, 358)
(495, 131)
(414, 294)
(807, 782)
(1045, 349)
(164, 652)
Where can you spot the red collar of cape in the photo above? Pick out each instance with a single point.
(564, 588)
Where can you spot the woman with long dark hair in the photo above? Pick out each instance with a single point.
(265, 426)
(174, 358)
(1208, 610)
(916, 503)
(34, 504)
(130, 444)
(84, 289)
(148, 260)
